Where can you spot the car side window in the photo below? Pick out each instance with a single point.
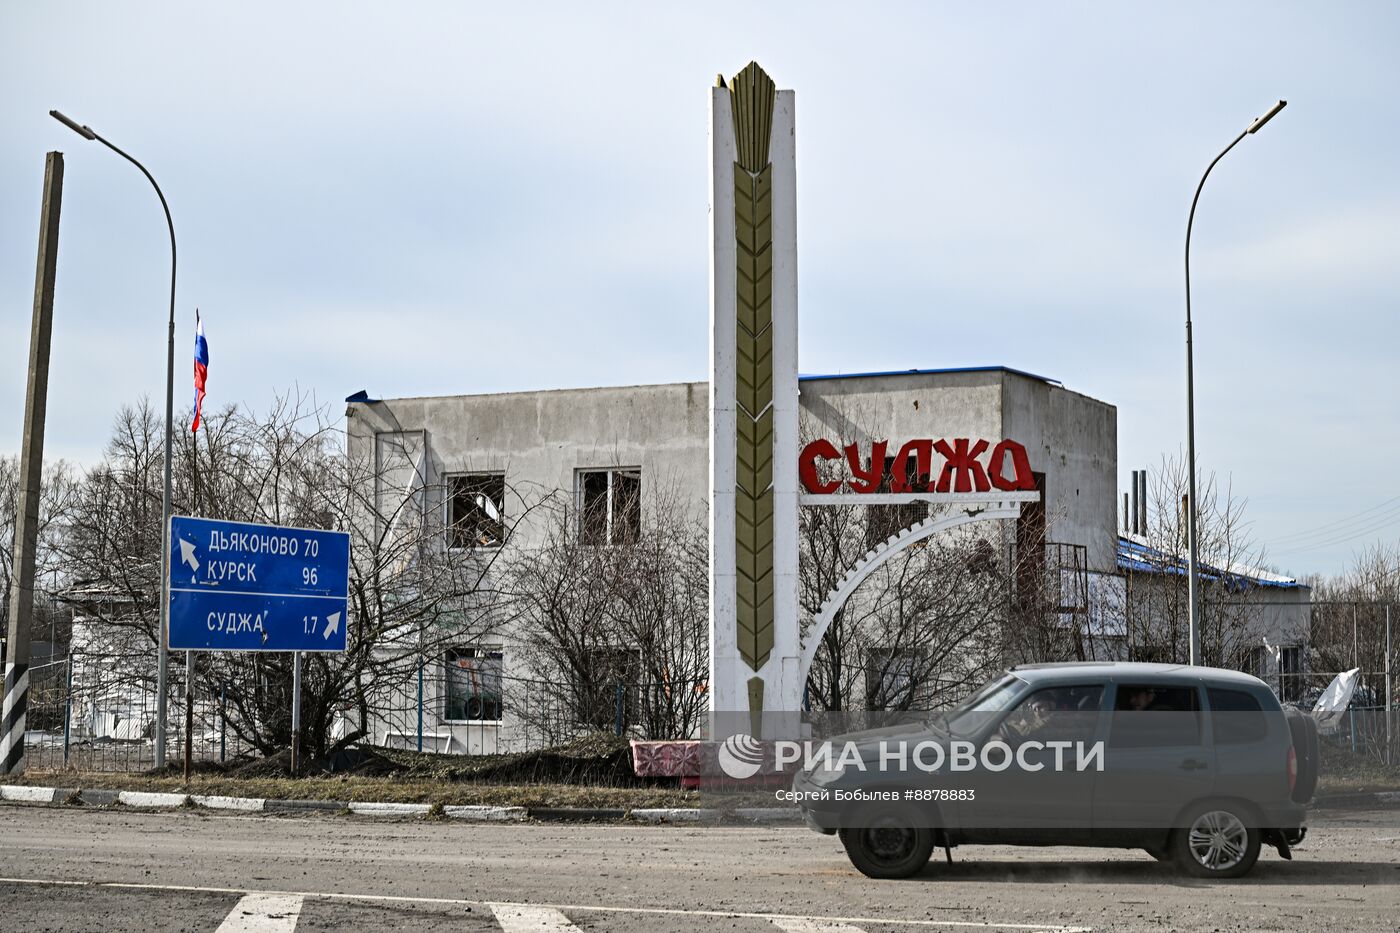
(1236, 718)
(1150, 715)
(1055, 714)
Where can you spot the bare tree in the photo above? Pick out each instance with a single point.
(627, 620)
(1156, 605)
(410, 594)
(1348, 622)
(55, 494)
(926, 626)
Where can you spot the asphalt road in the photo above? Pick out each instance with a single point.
(119, 870)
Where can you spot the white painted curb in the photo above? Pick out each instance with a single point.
(28, 794)
(485, 814)
(674, 815)
(138, 798)
(218, 802)
(769, 814)
(389, 809)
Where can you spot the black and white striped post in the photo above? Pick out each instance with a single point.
(31, 465)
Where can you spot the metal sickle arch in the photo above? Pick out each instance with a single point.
(965, 513)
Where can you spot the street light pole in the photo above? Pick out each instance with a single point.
(1192, 583)
(87, 133)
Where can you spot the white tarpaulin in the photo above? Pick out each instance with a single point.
(1337, 697)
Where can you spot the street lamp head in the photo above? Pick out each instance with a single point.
(1258, 124)
(82, 131)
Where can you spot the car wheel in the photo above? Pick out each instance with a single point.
(886, 845)
(1217, 842)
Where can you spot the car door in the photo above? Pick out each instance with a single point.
(1052, 799)
(1156, 758)
(1252, 741)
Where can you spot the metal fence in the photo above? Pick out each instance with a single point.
(88, 712)
(108, 724)
(79, 718)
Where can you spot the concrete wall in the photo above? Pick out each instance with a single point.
(1070, 437)
(540, 439)
(1073, 439)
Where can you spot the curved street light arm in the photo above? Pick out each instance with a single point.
(163, 637)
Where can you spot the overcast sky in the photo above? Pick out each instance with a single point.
(421, 199)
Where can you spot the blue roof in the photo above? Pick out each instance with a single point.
(929, 372)
(1136, 557)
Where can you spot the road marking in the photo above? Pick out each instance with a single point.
(588, 908)
(808, 925)
(517, 918)
(263, 913)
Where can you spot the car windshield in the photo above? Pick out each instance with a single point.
(993, 698)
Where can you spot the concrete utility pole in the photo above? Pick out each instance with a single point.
(31, 471)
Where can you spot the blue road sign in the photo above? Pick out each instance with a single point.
(241, 587)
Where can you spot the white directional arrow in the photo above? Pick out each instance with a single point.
(187, 555)
(334, 623)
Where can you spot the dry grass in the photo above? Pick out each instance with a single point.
(1345, 772)
(386, 789)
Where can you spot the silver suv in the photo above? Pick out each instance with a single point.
(1197, 766)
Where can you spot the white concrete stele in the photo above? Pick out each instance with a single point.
(729, 673)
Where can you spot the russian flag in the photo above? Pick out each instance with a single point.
(201, 367)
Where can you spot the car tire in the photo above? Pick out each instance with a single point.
(887, 844)
(1218, 840)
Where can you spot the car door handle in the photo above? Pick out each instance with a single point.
(1193, 764)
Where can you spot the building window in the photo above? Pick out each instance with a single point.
(476, 510)
(1030, 550)
(1290, 673)
(893, 678)
(1150, 653)
(473, 684)
(1256, 662)
(609, 506)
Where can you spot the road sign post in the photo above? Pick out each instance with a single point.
(236, 586)
(296, 712)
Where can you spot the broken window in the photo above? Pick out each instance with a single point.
(609, 506)
(476, 510)
(473, 684)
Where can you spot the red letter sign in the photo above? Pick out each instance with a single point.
(962, 464)
(923, 452)
(1019, 462)
(866, 480)
(807, 466)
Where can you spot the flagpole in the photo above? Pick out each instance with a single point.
(194, 472)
